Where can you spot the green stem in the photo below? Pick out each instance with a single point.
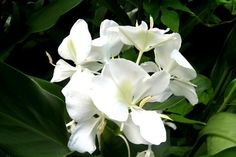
(139, 57)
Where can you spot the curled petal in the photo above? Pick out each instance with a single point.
(62, 71)
(132, 132)
(151, 126)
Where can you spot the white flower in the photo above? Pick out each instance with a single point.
(120, 87)
(89, 121)
(169, 59)
(142, 38)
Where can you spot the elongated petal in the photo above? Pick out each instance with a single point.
(83, 137)
(162, 96)
(132, 132)
(146, 153)
(184, 89)
(151, 126)
(62, 71)
(106, 96)
(77, 45)
(78, 102)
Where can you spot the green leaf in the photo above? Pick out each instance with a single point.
(230, 92)
(181, 119)
(204, 89)
(170, 18)
(31, 119)
(220, 131)
(177, 5)
(182, 108)
(50, 87)
(46, 17)
(171, 102)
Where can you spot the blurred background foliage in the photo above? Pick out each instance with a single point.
(29, 28)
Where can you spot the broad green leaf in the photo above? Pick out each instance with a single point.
(204, 89)
(229, 152)
(48, 15)
(181, 119)
(216, 144)
(170, 18)
(177, 5)
(223, 127)
(50, 87)
(31, 118)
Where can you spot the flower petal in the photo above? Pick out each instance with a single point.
(184, 89)
(105, 95)
(78, 102)
(62, 71)
(77, 45)
(151, 126)
(82, 138)
(132, 132)
(150, 67)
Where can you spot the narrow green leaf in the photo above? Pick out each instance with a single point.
(31, 119)
(177, 5)
(182, 119)
(221, 125)
(48, 15)
(170, 18)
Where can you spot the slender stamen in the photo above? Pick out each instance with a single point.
(50, 58)
(151, 22)
(144, 101)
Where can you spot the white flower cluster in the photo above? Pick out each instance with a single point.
(104, 87)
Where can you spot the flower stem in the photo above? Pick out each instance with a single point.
(126, 142)
(139, 57)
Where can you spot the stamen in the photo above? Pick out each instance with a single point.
(144, 101)
(151, 22)
(165, 117)
(50, 58)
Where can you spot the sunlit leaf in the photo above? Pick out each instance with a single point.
(181, 119)
(223, 127)
(170, 18)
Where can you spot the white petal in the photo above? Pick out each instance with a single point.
(106, 97)
(122, 69)
(81, 39)
(167, 47)
(152, 86)
(78, 102)
(184, 89)
(77, 45)
(150, 67)
(183, 67)
(146, 153)
(161, 97)
(132, 132)
(108, 44)
(62, 71)
(151, 126)
(83, 137)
